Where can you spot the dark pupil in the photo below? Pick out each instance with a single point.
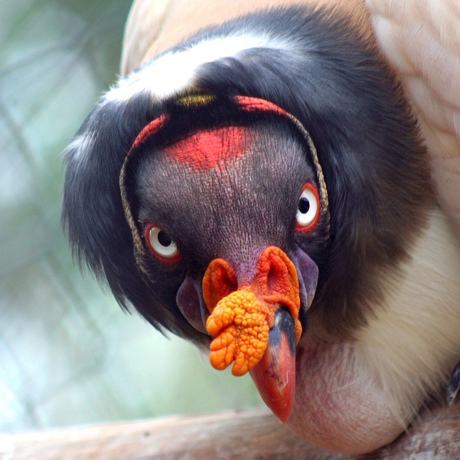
(164, 239)
(304, 205)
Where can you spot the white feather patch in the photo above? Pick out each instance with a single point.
(174, 71)
(412, 345)
(81, 145)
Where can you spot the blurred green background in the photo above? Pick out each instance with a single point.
(68, 354)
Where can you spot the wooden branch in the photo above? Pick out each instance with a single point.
(231, 435)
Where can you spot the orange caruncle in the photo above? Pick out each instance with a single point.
(242, 314)
(240, 322)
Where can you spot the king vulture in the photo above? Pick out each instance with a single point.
(278, 182)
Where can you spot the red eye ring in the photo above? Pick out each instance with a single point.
(308, 210)
(161, 245)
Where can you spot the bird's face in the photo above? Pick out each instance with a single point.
(229, 219)
(196, 191)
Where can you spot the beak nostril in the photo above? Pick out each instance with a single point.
(227, 284)
(276, 271)
(218, 282)
(274, 277)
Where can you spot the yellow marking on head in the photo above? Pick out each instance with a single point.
(195, 100)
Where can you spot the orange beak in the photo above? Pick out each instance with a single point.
(255, 324)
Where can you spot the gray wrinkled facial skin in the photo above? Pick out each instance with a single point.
(240, 204)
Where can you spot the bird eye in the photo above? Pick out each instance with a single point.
(160, 243)
(308, 209)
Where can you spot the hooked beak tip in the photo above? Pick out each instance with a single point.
(274, 375)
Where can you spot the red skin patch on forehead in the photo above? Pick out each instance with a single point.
(204, 150)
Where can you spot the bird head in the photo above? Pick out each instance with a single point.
(270, 216)
(228, 208)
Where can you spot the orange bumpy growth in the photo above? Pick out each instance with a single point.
(242, 316)
(239, 324)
